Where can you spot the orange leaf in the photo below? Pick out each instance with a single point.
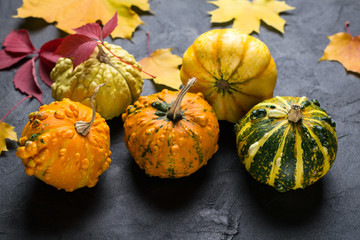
(247, 14)
(165, 66)
(71, 14)
(345, 49)
(6, 131)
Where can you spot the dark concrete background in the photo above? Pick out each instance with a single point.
(221, 201)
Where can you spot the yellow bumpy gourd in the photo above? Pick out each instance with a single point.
(123, 82)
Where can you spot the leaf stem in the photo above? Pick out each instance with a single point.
(347, 23)
(126, 62)
(28, 96)
(148, 43)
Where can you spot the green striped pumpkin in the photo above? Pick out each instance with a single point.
(287, 142)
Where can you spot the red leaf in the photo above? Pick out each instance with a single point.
(91, 30)
(45, 68)
(48, 59)
(25, 80)
(8, 59)
(47, 51)
(78, 47)
(18, 42)
(110, 26)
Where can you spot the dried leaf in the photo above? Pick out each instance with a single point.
(44, 71)
(8, 59)
(345, 49)
(17, 45)
(81, 45)
(91, 30)
(47, 51)
(109, 27)
(94, 30)
(165, 66)
(247, 15)
(78, 47)
(48, 59)
(26, 81)
(71, 14)
(6, 131)
(18, 42)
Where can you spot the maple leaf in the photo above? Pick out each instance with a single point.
(71, 14)
(6, 131)
(17, 46)
(165, 66)
(344, 48)
(247, 15)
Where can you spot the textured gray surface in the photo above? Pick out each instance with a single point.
(221, 201)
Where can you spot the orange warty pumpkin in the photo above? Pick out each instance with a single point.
(55, 152)
(171, 134)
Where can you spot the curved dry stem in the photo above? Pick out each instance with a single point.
(82, 127)
(174, 113)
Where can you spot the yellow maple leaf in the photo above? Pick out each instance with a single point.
(247, 15)
(6, 131)
(71, 14)
(344, 48)
(165, 66)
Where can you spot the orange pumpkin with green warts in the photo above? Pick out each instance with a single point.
(235, 71)
(61, 148)
(171, 134)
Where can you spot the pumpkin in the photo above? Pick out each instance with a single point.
(123, 81)
(235, 71)
(287, 142)
(171, 134)
(59, 147)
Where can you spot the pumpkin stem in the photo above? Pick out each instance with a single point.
(102, 56)
(222, 84)
(174, 113)
(295, 113)
(82, 127)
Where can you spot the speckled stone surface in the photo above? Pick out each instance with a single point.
(221, 201)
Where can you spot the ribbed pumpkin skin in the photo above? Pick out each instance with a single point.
(284, 154)
(52, 150)
(235, 71)
(170, 149)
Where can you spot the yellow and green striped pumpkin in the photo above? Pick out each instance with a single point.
(287, 142)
